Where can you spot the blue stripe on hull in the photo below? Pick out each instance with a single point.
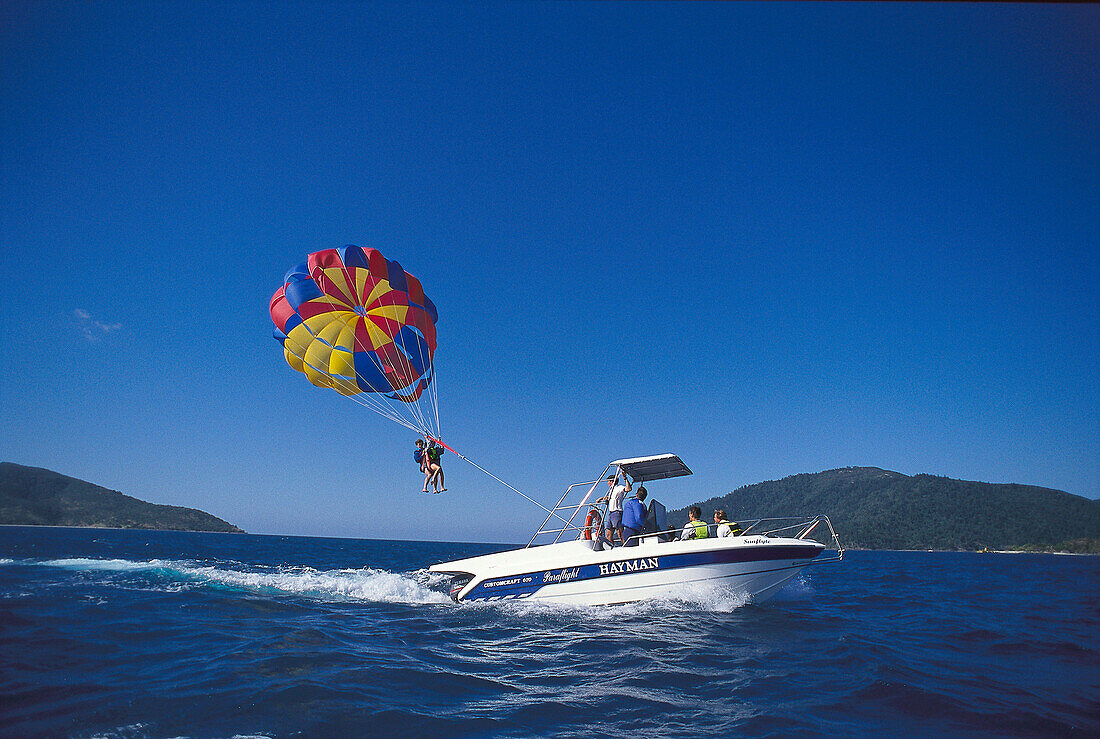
(526, 584)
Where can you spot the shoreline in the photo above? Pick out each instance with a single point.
(425, 541)
(116, 528)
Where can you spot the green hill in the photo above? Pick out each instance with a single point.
(878, 509)
(31, 496)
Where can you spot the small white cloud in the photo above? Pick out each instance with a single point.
(92, 329)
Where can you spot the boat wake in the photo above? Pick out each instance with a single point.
(365, 584)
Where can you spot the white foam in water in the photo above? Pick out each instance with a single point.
(364, 584)
(693, 597)
(105, 565)
(133, 730)
(799, 587)
(709, 597)
(431, 579)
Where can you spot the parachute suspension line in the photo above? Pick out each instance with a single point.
(433, 394)
(381, 409)
(415, 409)
(433, 398)
(377, 405)
(419, 423)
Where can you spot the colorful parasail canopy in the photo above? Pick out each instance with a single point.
(351, 320)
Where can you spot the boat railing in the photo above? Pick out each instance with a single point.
(565, 516)
(794, 527)
(791, 527)
(798, 528)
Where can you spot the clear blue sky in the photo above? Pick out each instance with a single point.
(770, 238)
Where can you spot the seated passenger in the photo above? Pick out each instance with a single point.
(725, 528)
(694, 528)
(634, 515)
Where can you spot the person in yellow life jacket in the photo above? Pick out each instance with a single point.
(694, 528)
(724, 527)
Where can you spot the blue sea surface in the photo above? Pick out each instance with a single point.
(162, 634)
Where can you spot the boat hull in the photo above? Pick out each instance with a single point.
(573, 573)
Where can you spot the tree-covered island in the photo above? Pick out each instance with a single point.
(872, 508)
(32, 496)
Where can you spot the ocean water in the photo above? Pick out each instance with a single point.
(165, 634)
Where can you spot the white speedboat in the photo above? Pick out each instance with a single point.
(579, 567)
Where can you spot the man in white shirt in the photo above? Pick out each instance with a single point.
(615, 496)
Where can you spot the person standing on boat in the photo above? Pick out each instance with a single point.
(634, 514)
(694, 528)
(615, 495)
(724, 527)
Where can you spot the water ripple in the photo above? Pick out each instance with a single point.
(143, 634)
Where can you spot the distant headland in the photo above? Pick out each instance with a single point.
(32, 496)
(872, 508)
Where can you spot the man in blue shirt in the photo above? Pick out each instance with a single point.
(634, 518)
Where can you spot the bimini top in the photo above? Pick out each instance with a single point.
(643, 469)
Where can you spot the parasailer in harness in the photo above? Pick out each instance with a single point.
(432, 453)
(420, 456)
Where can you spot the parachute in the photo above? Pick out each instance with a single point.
(352, 321)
